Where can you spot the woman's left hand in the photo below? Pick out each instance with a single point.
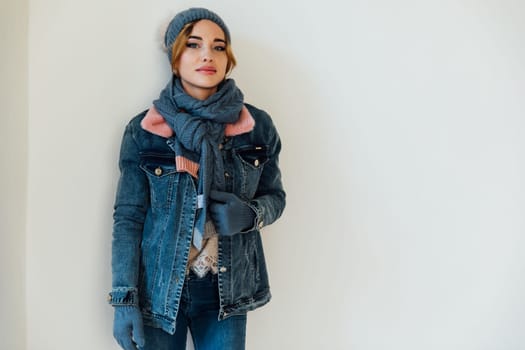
(229, 213)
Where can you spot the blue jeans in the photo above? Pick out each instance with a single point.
(198, 311)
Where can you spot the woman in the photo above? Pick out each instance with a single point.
(199, 179)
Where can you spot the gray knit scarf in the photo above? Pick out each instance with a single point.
(198, 128)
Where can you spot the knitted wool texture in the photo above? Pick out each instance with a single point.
(188, 16)
(198, 127)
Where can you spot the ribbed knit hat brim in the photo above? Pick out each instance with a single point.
(187, 16)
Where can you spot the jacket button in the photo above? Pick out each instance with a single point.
(223, 269)
(261, 224)
(158, 171)
(256, 163)
(226, 174)
(109, 298)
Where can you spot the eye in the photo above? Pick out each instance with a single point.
(220, 48)
(192, 45)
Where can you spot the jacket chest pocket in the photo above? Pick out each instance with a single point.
(249, 161)
(162, 177)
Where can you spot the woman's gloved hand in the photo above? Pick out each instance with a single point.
(128, 328)
(229, 213)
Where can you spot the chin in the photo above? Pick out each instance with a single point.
(210, 85)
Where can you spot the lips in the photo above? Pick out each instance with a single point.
(207, 70)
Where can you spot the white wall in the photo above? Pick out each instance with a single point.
(403, 133)
(13, 169)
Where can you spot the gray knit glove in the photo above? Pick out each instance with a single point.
(229, 213)
(128, 328)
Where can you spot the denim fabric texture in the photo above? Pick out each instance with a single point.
(199, 307)
(154, 217)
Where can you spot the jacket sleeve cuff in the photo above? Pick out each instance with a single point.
(123, 296)
(257, 221)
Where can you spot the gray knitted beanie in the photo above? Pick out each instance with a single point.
(187, 16)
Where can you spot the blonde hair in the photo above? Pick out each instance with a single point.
(179, 45)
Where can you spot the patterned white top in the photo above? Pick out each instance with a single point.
(207, 259)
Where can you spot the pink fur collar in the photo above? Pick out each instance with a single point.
(155, 123)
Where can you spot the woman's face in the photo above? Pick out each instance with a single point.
(202, 64)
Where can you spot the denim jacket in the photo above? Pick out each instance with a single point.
(154, 216)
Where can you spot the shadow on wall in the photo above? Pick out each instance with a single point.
(309, 121)
(284, 86)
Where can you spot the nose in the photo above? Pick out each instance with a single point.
(207, 54)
